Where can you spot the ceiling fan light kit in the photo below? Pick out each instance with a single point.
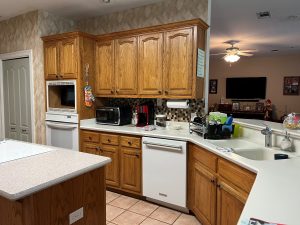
(231, 58)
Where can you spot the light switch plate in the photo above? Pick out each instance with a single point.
(76, 215)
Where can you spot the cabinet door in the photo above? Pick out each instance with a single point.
(90, 148)
(105, 68)
(230, 204)
(150, 64)
(51, 60)
(112, 169)
(126, 66)
(131, 169)
(179, 62)
(204, 195)
(68, 59)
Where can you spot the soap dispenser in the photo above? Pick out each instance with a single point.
(286, 144)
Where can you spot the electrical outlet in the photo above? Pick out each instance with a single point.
(76, 215)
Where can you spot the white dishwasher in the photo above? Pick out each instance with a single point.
(164, 170)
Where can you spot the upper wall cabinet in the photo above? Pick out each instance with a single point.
(179, 62)
(105, 83)
(153, 62)
(126, 66)
(61, 59)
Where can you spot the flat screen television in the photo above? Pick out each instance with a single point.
(246, 88)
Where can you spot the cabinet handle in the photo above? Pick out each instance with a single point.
(212, 181)
(129, 143)
(108, 140)
(219, 186)
(137, 155)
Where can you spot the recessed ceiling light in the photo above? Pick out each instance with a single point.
(106, 1)
(263, 15)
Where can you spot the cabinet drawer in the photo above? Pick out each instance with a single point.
(90, 137)
(109, 139)
(237, 175)
(132, 142)
(206, 158)
(90, 148)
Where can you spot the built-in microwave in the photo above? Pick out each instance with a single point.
(61, 96)
(114, 115)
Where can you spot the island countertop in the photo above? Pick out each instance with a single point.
(24, 174)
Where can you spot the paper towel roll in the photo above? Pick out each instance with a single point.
(178, 104)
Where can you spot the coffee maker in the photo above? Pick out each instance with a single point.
(145, 114)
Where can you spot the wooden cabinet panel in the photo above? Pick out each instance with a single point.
(109, 139)
(126, 66)
(131, 142)
(151, 64)
(230, 204)
(179, 62)
(68, 59)
(90, 148)
(112, 169)
(204, 194)
(88, 136)
(51, 60)
(237, 175)
(130, 170)
(105, 82)
(206, 158)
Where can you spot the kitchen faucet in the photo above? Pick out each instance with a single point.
(268, 136)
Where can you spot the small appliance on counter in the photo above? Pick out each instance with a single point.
(161, 120)
(145, 114)
(117, 116)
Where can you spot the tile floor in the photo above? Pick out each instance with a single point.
(123, 210)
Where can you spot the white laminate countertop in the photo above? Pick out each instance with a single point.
(31, 167)
(275, 194)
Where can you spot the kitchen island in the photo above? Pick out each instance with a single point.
(45, 185)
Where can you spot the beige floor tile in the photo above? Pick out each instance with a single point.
(150, 221)
(187, 220)
(129, 218)
(124, 202)
(110, 196)
(165, 215)
(143, 208)
(112, 212)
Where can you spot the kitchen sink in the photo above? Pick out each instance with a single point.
(249, 149)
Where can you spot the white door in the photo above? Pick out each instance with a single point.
(17, 104)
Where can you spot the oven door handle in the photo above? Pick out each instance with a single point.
(62, 126)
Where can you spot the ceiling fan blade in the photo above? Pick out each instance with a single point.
(245, 54)
(249, 50)
(224, 53)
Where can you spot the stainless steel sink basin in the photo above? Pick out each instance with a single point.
(249, 149)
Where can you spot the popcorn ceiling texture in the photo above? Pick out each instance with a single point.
(168, 11)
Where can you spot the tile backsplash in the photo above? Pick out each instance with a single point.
(178, 115)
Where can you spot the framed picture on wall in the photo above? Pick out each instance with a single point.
(213, 86)
(291, 85)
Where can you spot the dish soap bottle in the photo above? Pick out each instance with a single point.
(286, 144)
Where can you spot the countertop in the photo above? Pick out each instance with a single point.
(275, 193)
(23, 174)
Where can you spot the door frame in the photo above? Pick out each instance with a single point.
(16, 55)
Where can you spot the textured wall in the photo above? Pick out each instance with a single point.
(23, 33)
(167, 11)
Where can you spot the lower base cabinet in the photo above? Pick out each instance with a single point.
(215, 197)
(125, 170)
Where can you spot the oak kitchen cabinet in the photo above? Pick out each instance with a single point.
(153, 62)
(213, 184)
(125, 171)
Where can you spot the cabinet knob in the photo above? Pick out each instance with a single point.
(117, 91)
(112, 91)
(137, 155)
(166, 92)
(56, 76)
(159, 92)
(108, 140)
(212, 181)
(90, 138)
(218, 186)
(129, 143)
(61, 76)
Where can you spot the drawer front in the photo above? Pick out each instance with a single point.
(91, 148)
(109, 139)
(237, 175)
(131, 142)
(90, 137)
(206, 158)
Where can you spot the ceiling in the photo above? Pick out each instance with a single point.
(73, 9)
(237, 20)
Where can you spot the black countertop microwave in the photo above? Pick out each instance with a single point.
(114, 115)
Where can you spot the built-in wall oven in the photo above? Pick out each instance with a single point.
(62, 123)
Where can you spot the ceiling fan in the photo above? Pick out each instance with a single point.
(233, 53)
